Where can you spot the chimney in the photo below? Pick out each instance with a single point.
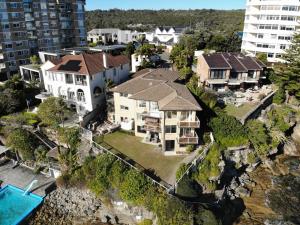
(105, 64)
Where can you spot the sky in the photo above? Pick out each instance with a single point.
(165, 4)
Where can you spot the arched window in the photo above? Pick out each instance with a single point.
(80, 95)
(97, 91)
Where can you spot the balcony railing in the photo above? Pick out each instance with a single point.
(152, 124)
(190, 139)
(192, 124)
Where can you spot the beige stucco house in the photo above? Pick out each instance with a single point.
(158, 109)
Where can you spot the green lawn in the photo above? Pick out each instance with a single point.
(239, 112)
(148, 156)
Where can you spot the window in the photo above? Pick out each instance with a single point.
(115, 72)
(217, 74)
(80, 96)
(142, 104)
(171, 114)
(282, 47)
(124, 107)
(123, 95)
(97, 92)
(170, 129)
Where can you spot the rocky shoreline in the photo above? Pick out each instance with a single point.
(79, 206)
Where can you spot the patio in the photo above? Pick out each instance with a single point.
(147, 156)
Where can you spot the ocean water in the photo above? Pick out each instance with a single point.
(14, 207)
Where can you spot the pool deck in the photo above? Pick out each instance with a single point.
(21, 177)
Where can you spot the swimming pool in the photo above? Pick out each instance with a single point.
(14, 206)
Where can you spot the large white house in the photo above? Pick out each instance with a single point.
(81, 79)
(165, 35)
(112, 35)
(270, 26)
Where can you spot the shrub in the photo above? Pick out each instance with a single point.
(190, 148)
(251, 158)
(209, 168)
(279, 96)
(258, 134)
(63, 181)
(134, 187)
(228, 131)
(146, 222)
(181, 170)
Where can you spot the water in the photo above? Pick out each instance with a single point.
(14, 207)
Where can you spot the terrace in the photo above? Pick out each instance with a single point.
(147, 157)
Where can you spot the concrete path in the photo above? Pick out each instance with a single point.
(21, 177)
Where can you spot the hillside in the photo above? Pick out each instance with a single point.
(213, 20)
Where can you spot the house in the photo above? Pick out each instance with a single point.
(112, 36)
(158, 109)
(165, 35)
(234, 71)
(137, 61)
(81, 79)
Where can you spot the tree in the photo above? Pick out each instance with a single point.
(145, 50)
(11, 101)
(22, 142)
(34, 60)
(15, 83)
(228, 131)
(288, 73)
(134, 187)
(130, 49)
(262, 57)
(71, 138)
(258, 135)
(53, 111)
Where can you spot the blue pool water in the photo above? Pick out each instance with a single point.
(14, 207)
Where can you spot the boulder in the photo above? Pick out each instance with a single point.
(296, 134)
(292, 149)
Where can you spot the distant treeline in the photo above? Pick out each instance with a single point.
(222, 21)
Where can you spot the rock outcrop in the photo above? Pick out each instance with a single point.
(74, 206)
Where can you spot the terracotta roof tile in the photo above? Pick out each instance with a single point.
(88, 64)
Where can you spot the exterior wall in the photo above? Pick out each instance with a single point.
(202, 69)
(265, 27)
(134, 114)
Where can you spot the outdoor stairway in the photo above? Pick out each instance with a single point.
(42, 137)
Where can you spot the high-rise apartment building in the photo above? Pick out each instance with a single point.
(29, 26)
(270, 26)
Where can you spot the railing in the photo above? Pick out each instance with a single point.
(192, 124)
(81, 82)
(188, 139)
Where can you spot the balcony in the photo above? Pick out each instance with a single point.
(191, 124)
(188, 139)
(152, 124)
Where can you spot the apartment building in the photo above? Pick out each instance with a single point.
(112, 36)
(158, 109)
(38, 25)
(229, 71)
(81, 79)
(270, 26)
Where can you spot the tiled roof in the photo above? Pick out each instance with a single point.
(216, 61)
(160, 86)
(236, 62)
(88, 64)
